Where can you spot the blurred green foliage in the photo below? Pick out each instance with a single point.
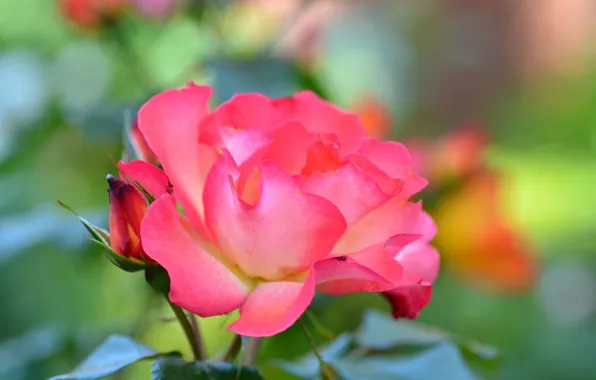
(60, 297)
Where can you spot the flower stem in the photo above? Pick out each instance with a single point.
(197, 334)
(326, 372)
(197, 351)
(234, 349)
(311, 342)
(252, 349)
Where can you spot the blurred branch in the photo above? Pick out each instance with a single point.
(234, 349)
(252, 349)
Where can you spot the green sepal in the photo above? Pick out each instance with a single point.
(157, 277)
(102, 238)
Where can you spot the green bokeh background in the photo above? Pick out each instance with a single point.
(62, 99)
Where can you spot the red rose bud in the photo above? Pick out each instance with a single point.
(127, 209)
(91, 14)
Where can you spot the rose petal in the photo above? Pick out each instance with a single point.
(392, 218)
(149, 176)
(320, 116)
(289, 146)
(349, 188)
(394, 159)
(273, 307)
(420, 261)
(283, 233)
(407, 300)
(170, 123)
(200, 282)
(342, 275)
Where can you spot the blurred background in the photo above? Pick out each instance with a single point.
(495, 98)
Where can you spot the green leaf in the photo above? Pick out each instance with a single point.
(308, 367)
(102, 238)
(381, 332)
(114, 354)
(175, 368)
(442, 361)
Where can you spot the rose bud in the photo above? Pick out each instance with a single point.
(128, 206)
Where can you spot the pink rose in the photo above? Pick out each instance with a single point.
(281, 197)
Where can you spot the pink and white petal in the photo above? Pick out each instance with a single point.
(242, 111)
(289, 147)
(392, 218)
(273, 307)
(407, 300)
(342, 275)
(426, 227)
(170, 123)
(349, 188)
(149, 176)
(320, 116)
(389, 185)
(381, 260)
(283, 233)
(199, 282)
(394, 159)
(420, 261)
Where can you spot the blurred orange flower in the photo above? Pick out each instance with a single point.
(374, 115)
(477, 242)
(91, 14)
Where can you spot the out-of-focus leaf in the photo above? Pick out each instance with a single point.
(114, 354)
(36, 344)
(268, 76)
(42, 224)
(441, 361)
(175, 368)
(102, 238)
(308, 367)
(380, 332)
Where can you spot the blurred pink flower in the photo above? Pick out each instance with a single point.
(156, 9)
(281, 197)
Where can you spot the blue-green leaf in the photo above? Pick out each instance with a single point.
(381, 332)
(308, 367)
(114, 354)
(175, 368)
(441, 361)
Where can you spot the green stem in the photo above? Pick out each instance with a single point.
(197, 334)
(322, 330)
(311, 342)
(234, 349)
(326, 372)
(252, 349)
(188, 331)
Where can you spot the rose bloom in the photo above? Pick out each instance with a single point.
(280, 198)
